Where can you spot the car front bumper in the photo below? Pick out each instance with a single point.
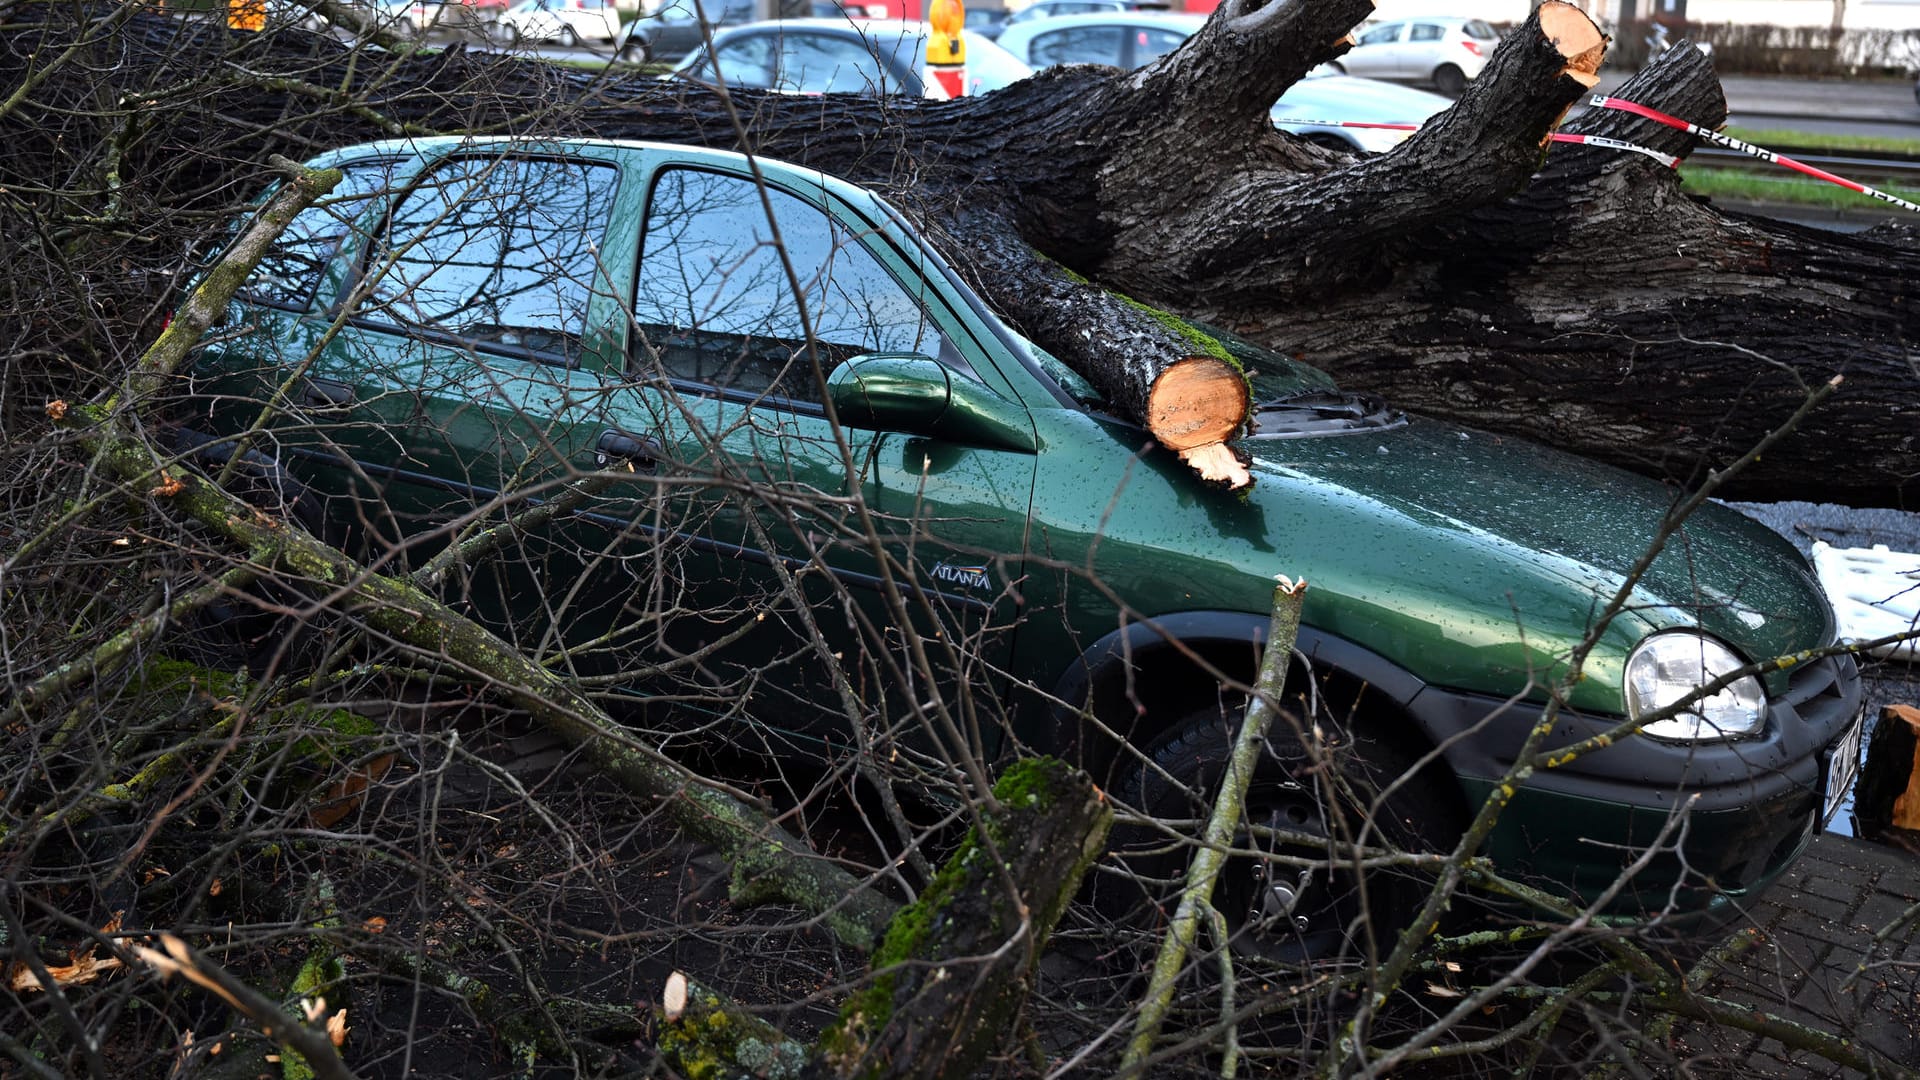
(1724, 819)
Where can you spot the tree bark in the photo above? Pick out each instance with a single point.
(1588, 303)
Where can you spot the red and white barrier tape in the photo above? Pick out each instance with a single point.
(1604, 102)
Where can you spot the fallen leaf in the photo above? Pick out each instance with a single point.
(169, 485)
(375, 924)
(1436, 990)
(56, 410)
(214, 889)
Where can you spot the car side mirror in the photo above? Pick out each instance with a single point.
(918, 395)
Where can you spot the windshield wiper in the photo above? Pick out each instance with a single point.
(1314, 413)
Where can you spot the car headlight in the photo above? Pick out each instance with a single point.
(1668, 667)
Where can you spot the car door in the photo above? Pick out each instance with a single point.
(1377, 53)
(481, 303)
(782, 538)
(1421, 53)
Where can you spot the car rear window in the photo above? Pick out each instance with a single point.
(1077, 45)
(1474, 28)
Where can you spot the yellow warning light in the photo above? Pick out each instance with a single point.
(945, 45)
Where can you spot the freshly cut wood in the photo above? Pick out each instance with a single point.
(1888, 794)
(1193, 408)
(1578, 39)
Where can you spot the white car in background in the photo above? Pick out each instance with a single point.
(1315, 107)
(1447, 52)
(568, 22)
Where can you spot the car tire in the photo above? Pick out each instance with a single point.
(1336, 67)
(568, 38)
(635, 52)
(1450, 80)
(1305, 922)
(1333, 142)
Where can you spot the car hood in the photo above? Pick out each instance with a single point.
(1434, 520)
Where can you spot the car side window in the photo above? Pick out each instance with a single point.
(1078, 45)
(1382, 35)
(1150, 45)
(290, 272)
(745, 61)
(819, 63)
(712, 304)
(1426, 32)
(498, 251)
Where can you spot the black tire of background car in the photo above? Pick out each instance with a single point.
(1449, 80)
(568, 38)
(1285, 793)
(635, 51)
(504, 34)
(1332, 142)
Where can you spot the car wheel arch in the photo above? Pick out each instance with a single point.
(1135, 678)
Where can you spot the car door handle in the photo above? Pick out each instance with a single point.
(637, 451)
(327, 394)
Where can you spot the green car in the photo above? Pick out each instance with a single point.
(467, 328)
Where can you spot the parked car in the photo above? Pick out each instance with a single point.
(1315, 107)
(1445, 52)
(1047, 9)
(673, 28)
(445, 343)
(406, 18)
(568, 22)
(817, 56)
(1127, 39)
(987, 21)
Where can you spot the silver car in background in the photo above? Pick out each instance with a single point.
(818, 56)
(1318, 108)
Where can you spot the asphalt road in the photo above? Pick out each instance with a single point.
(1826, 106)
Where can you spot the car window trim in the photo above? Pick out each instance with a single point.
(428, 167)
(306, 306)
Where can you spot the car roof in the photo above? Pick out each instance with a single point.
(1127, 18)
(439, 145)
(1015, 38)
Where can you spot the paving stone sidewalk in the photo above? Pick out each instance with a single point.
(1816, 931)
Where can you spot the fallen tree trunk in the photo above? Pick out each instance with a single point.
(956, 965)
(1595, 307)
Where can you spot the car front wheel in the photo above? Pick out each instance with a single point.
(568, 37)
(635, 52)
(1302, 901)
(1449, 80)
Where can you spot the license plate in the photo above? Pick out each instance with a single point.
(1842, 765)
